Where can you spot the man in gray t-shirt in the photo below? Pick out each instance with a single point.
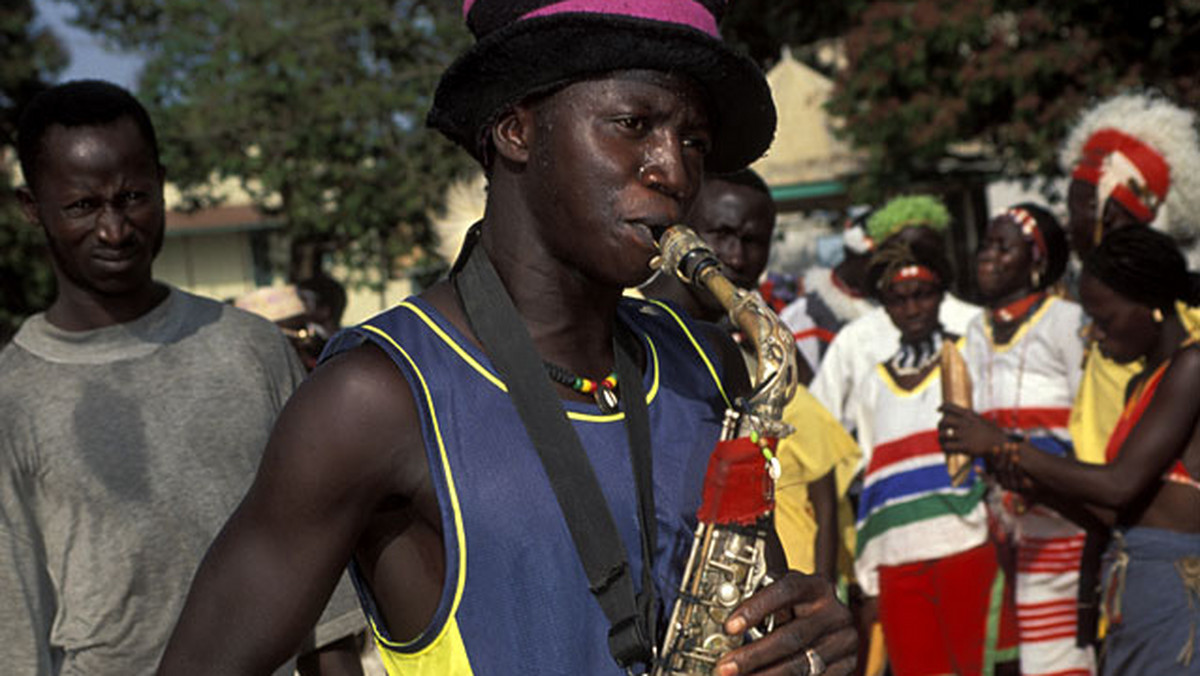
(132, 414)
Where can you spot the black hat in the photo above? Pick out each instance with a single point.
(527, 47)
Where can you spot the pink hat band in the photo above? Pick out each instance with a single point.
(670, 11)
(678, 12)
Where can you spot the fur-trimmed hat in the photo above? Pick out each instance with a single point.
(905, 212)
(1143, 151)
(529, 47)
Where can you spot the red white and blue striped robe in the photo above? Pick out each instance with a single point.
(1027, 387)
(908, 510)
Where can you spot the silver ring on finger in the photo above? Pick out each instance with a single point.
(816, 665)
(949, 432)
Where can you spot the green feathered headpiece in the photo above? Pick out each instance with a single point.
(907, 211)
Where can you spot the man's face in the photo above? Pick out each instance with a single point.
(97, 194)
(1123, 329)
(612, 161)
(1003, 263)
(1082, 215)
(912, 306)
(737, 221)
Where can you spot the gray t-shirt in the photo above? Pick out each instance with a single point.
(123, 450)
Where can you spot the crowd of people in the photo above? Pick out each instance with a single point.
(1022, 561)
(1011, 487)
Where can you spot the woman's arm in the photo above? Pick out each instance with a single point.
(1156, 441)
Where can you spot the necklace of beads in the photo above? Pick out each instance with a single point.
(603, 391)
(1018, 309)
(914, 358)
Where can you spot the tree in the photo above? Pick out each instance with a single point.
(29, 57)
(761, 28)
(316, 107)
(926, 76)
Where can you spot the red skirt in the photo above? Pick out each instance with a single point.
(952, 615)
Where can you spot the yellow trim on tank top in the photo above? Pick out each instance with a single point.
(446, 656)
(450, 625)
(491, 377)
(695, 345)
(446, 653)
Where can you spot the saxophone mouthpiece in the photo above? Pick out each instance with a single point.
(684, 253)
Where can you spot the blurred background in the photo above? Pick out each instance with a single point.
(294, 139)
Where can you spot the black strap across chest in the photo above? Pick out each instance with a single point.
(507, 342)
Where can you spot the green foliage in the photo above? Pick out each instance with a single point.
(28, 58)
(316, 107)
(1011, 75)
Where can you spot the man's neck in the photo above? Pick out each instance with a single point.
(569, 316)
(78, 310)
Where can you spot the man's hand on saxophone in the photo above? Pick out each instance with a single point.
(813, 634)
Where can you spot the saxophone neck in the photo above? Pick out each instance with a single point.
(687, 256)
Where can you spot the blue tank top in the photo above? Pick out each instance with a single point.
(515, 598)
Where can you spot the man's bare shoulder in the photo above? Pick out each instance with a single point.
(353, 422)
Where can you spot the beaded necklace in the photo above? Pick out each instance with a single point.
(604, 391)
(1029, 303)
(914, 358)
(1016, 310)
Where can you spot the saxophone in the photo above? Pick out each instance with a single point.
(728, 562)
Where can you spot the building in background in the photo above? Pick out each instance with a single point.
(810, 168)
(807, 166)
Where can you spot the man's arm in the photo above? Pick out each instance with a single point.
(337, 452)
(823, 495)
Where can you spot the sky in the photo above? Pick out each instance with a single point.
(89, 59)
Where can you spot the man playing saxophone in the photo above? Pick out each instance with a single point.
(419, 451)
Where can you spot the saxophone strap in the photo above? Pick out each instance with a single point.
(507, 342)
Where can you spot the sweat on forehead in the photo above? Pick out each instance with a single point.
(79, 103)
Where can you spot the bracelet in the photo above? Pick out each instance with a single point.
(1005, 458)
(1005, 454)
(1012, 453)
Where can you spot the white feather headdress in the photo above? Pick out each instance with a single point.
(1171, 132)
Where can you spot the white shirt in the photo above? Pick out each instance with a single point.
(862, 344)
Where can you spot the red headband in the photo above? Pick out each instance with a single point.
(1126, 169)
(914, 272)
